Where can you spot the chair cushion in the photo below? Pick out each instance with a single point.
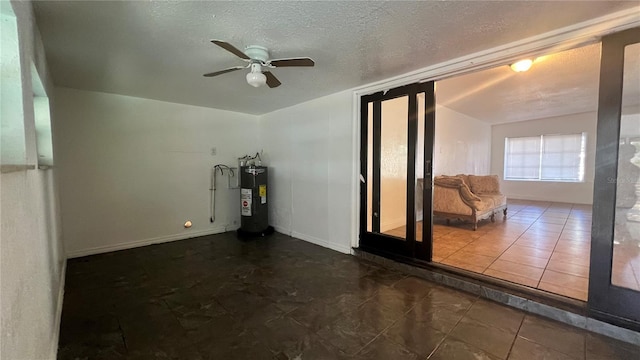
(486, 184)
(456, 182)
(498, 199)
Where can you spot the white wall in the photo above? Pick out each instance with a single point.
(32, 265)
(309, 150)
(31, 256)
(134, 170)
(12, 144)
(462, 144)
(580, 193)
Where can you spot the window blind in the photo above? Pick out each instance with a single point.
(545, 158)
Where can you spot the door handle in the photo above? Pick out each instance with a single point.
(375, 214)
(427, 167)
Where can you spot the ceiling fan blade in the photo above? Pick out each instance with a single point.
(272, 81)
(216, 73)
(230, 48)
(305, 61)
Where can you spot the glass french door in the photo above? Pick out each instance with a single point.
(614, 282)
(397, 128)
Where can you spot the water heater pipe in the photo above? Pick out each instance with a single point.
(232, 174)
(212, 189)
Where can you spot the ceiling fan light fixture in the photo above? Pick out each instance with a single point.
(522, 65)
(258, 57)
(256, 79)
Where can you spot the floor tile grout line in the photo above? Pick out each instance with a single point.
(440, 342)
(476, 298)
(538, 215)
(358, 307)
(374, 338)
(388, 327)
(474, 240)
(530, 225)
(516, 337)
(124, 339)
(555, 245)
(552, 251)
(381, 333)
(581, 330)
(393, 323)
(505, 250)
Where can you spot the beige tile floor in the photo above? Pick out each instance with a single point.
(543, 245)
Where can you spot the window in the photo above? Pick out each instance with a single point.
(42, 116)
(545, 158)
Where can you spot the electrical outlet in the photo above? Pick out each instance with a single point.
(213, 151)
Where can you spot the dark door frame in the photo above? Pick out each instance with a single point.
(374, 240)
(609, 302)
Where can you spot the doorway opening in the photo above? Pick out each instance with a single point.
(530, 137)
(509, 174)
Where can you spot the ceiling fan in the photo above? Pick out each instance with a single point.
(257, 58)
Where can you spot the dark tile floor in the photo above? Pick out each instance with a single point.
(217, 297)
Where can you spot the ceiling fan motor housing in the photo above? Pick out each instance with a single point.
(256, 52)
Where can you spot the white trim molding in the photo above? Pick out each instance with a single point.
(145, 242)
(583, 33)
(282, 230)
(314, 240)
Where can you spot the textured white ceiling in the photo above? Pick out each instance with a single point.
(160, 49)
(558, 84)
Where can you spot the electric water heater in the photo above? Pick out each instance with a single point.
(253, 201)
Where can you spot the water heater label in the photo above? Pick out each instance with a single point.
(263, 194)
(245, 201)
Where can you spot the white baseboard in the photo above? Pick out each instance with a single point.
(345, 249)
(144, 242)
(162, 239)
(56, 326)
(282, 230)
(314, 240)
(538, 198)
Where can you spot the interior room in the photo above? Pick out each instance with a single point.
(127, 129)
(501, 104)
(546, 243)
